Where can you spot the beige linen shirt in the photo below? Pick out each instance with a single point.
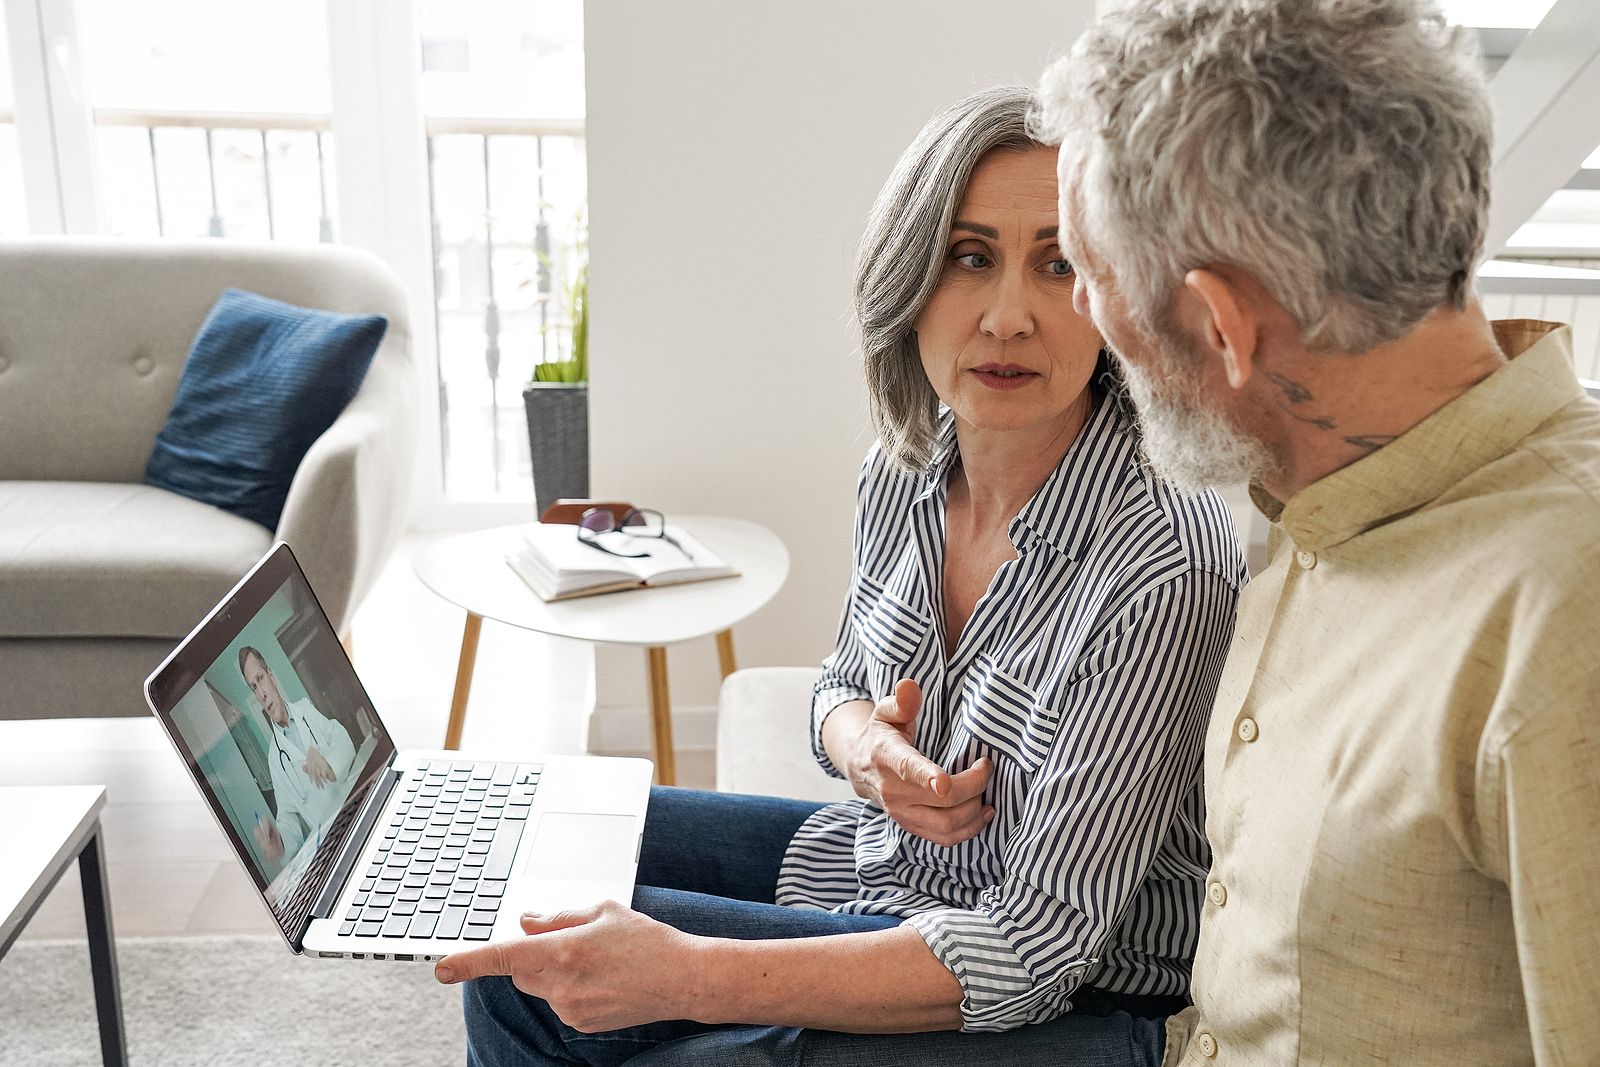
(1403, 762)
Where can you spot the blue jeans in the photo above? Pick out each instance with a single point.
(709, 865)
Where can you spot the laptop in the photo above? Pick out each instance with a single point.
(358, 850)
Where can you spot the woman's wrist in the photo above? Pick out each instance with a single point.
(703, 989)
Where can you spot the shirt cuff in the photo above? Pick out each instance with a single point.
(999, 992)
(822, 704)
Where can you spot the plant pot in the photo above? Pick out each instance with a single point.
(558, 440)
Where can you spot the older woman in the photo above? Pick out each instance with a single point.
(1026, 659)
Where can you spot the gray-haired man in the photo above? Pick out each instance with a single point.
(1275, 210)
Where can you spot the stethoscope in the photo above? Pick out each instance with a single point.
(283, 757)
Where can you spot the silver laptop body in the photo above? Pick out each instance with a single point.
(358, 850)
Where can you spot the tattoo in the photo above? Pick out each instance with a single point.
(1321, 422)
(1293, 391)
(1371, 441)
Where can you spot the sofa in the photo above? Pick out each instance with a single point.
(764, 736)
(100, 575)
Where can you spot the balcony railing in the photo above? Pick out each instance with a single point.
(494, 268)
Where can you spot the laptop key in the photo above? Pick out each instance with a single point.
(460, 899)
(347, 929)
(480, 916)
(436, 892)
(359, 899)
(423, 924)
(505, 849)
(492, 889)
(478, 933)
(396, 925)
(353, 914)
(410, 893)
(431, 906)
(368, 929)
(517, 811)
(450, 922)
(404, 907)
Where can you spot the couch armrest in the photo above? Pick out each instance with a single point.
(349, 499)
(764, 736)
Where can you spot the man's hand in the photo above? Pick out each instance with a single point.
(599, 968)
(886, 768)
(268, 839)
(317, 768)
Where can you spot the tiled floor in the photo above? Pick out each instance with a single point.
(170, 870)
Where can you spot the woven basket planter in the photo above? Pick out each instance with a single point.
(558, 440)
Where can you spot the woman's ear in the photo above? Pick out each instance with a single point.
(1223, 321)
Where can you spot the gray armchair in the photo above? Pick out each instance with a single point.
(100, 574)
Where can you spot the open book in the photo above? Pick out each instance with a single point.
(558, 566)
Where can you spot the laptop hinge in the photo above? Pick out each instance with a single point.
(354, 844)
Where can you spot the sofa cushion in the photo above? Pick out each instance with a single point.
(764, 736)
(98, 559)
(263, 381)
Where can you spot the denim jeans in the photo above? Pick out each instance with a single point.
(709, 865)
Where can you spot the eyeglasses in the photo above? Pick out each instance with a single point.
(636, 522)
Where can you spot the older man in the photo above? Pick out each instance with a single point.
(1275, 210)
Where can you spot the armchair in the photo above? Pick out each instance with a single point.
(100, 575)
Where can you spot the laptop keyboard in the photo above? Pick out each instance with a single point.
(445, 857)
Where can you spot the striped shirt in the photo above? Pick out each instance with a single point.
(1085, 673)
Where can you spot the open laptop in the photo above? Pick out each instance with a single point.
(358, 850)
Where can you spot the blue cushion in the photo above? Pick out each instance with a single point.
(263, 381)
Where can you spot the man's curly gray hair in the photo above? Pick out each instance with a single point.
(1338, 150)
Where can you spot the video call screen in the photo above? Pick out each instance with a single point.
(280, 734)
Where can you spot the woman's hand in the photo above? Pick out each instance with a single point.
(885, 767)
(599, 968)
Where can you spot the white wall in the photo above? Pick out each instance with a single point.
(734, 150)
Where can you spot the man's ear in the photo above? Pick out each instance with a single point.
(1225, 326)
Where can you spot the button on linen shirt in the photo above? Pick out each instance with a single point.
(1085, 674)
(1407, 839)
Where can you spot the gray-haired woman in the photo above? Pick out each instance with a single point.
(1027, 655)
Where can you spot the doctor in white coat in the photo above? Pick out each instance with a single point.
(312, 755)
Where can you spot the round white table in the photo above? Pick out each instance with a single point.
(470, 571)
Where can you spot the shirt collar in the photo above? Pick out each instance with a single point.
(1471, 431)
(1066, 510)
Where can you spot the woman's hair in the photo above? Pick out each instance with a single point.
(902, 255)
(1338, 150)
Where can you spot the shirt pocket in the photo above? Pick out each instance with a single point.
(889, 629)
(1004, 713)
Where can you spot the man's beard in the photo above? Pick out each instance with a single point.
(1188, 446)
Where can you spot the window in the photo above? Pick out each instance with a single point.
(13, 209)
(502, 90)
(211, 119)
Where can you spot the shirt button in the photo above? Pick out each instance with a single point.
(1247, 730)
(1217, 894)
(1307, 560)
(144, 365)
(1208, 1046)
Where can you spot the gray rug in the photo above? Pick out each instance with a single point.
(225, 1001)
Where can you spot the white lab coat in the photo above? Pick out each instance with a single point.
(292, 787)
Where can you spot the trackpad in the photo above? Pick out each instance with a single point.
(590, 847)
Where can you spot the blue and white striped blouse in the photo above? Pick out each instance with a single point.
(1086, 673)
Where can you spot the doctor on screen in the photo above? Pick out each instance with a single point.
(311, 754)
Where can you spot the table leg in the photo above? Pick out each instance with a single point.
(661, 717)
(725, 653)
(458, 702)
(102, 953)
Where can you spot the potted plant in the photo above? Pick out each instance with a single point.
(557, 402)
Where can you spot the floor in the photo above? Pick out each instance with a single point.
(170, 870)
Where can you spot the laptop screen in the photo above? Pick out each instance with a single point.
(277, 730)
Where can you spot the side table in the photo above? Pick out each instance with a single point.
(470, 571)
(42, 830)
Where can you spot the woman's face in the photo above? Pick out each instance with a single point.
(999, 339)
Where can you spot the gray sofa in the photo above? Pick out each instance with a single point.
(100, 574)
